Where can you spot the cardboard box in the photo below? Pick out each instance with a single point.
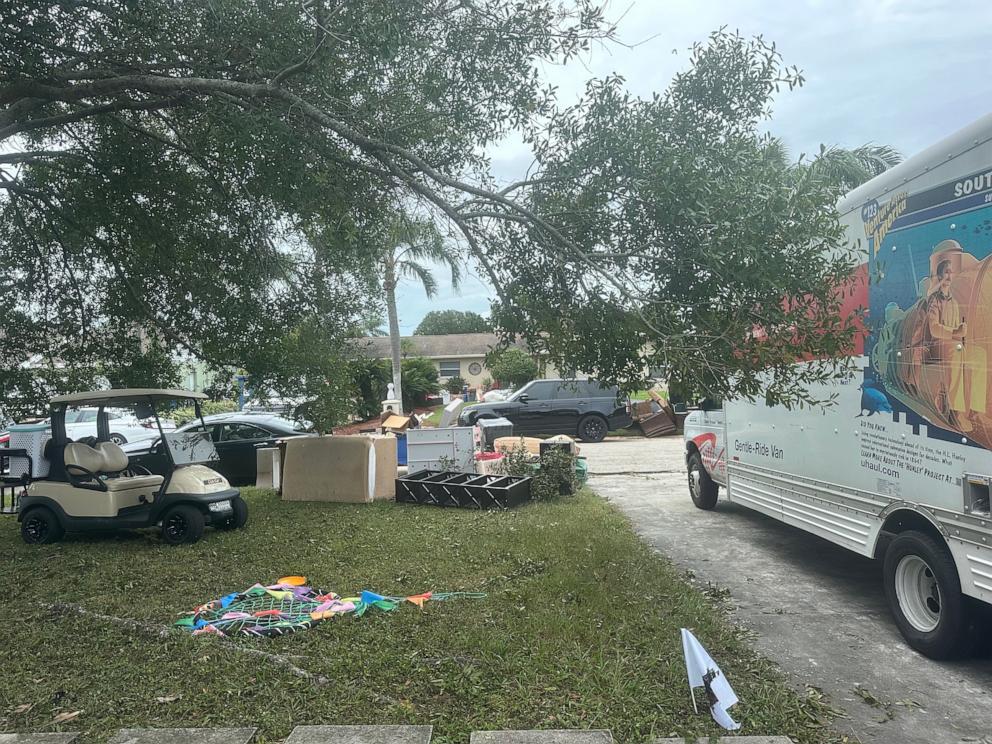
(507, 444)
(334, 468)
(565, 440)
(489, 465)
(396, 423)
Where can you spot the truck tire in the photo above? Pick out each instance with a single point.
(182, 524)
(592, 428)
(41, 526)
(702, 488)
(924, 594)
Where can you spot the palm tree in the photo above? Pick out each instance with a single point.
(412, 246)
(848, 168)
(851, 168)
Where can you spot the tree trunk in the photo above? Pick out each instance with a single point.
(389, 284)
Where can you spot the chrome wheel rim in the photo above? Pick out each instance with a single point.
(918, 593)
(694, 478)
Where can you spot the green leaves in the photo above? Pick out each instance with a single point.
(512, 367)
(677, 240)
(441, 322)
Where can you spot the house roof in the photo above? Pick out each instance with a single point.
(448, 346)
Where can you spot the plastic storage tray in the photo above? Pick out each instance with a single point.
(466, 490)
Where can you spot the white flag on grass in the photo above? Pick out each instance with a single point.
(703, 672)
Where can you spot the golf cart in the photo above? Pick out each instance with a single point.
(89, 484)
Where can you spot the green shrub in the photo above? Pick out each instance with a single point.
(187, 413)
(553, 474)
(513, 367)
(419, 382)
(454, 385)
(369, 378)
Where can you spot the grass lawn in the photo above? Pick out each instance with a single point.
(435, 418)
(580, 628)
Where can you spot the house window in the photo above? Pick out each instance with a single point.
(449, 368)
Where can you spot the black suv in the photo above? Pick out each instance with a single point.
(575, 407)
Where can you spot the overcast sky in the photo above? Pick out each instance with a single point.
(899, 72)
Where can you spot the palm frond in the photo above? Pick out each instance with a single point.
(876, 159)
(851, 168)
(420, 241)
(414, 270)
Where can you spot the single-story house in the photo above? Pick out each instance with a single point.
(455, 354)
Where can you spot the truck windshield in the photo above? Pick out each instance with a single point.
(191, 447)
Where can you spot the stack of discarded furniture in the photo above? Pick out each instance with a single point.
(654, 417)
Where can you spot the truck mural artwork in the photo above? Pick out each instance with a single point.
(899, 466)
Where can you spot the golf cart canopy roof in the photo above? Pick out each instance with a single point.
(125, 395)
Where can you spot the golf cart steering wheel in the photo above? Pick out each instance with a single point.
(133, 470)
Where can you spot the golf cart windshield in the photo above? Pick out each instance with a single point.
(191, 447)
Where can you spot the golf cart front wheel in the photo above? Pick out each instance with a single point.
(182, 524)
(40, 526)
(924, 594)
(240, 517)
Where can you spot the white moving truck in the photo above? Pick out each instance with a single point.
(899, 467)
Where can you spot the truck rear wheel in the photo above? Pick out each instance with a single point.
(702, 488)
(924, 594)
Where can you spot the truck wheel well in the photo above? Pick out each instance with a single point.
(690, 450)
(903, 520)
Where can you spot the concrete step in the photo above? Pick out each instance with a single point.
(184, 736)
(732, 740)
(542, 737)
(361, 735)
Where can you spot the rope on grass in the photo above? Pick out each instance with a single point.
(164, 631)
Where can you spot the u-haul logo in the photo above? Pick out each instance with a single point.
(879, 218)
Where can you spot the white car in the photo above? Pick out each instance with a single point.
(124, 426)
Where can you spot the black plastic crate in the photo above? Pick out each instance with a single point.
(465, 490)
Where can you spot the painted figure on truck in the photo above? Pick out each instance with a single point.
(928, 357)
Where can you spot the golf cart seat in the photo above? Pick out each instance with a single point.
(85, 465)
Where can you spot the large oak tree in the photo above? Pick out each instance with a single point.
(217, 177)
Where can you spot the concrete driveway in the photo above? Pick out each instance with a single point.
(818, 610)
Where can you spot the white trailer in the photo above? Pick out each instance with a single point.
(899, 467)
